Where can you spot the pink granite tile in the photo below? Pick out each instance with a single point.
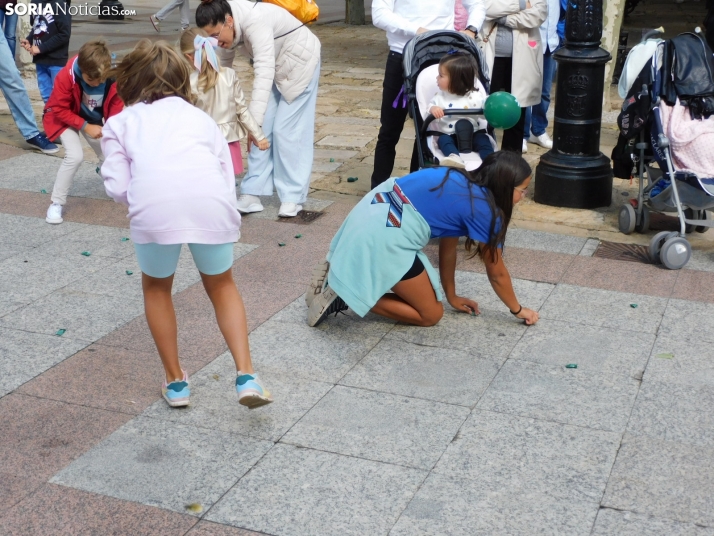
(206, 528)
(694, 285)
(40, 437)
(530, 264)
(622, 276)
(293, 262)
(9, 151)
(105, 377)
(60, 510)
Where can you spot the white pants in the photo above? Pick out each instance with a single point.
(73, 158)
(173, 4)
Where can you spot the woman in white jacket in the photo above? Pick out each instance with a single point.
(286, 60)
(511, 41)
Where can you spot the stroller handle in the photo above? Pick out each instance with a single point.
(429, 118)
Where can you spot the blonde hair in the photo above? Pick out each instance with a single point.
(151, 72)
(94, 59)
(208, 76)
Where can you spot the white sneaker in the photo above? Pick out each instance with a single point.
(324, 304)
(524, 147)
(249, 203)
(453, 160)
(155, 22)
(543, 140)
(54, 214)
(289, 210)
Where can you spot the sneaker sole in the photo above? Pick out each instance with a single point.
(251, 209)
(179, 403)
(54, 222)
(314, 319)
(154, 24)
(447, 162)
(289, 214)
(319, 273)
(252, 401)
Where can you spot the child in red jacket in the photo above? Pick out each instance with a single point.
(82, 99)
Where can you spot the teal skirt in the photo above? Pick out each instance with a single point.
(369, 254)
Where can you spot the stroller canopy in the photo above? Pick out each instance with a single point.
(428, 48)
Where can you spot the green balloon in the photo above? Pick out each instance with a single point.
(502, 110)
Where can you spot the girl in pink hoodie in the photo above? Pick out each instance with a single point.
(169, 163)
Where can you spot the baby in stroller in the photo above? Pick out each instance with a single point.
(459, 89)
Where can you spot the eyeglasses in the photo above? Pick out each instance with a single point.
(217, 35)
(521, 191)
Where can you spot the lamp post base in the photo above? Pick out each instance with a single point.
(573, 181)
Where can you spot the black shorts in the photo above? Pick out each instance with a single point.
(416, 269)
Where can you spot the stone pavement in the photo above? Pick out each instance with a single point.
(474, 426)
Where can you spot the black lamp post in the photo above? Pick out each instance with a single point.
(574, 173)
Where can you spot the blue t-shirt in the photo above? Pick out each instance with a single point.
(459, 208)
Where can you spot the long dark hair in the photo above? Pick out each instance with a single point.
(212, 12)
(498, 175)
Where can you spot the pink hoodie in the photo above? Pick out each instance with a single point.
(170, 164)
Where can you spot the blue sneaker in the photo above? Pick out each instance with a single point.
(177, 392)
(43, 144)
(251, 392)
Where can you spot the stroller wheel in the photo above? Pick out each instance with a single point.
(627, 219)
(675, 252)
(656, 244)
(690, 215)
(644, 224)
(703, 215)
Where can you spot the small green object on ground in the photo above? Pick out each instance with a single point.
(633, 305)
(298, 236)
(332, 159)
(125, 239)
(43, 191)
(281, 244)
(195, 508)
(352, 179)
(666, 355)
(86, 253)
(571, 365)
(129, 272)
(61, 332)
(98, 170)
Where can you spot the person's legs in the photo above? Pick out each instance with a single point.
(15, 93)
(44, 81)
(413, 302)
(259, 179)
(540, 111)
(293, 136)
(73, 157)
(482, 144)
(527, 122)
(513, 137)
(391, 118)
(8, 23)
(168, 8)
(501, 81)
(447, 145)
(185, 14)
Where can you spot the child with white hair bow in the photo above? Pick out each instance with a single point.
(218, 93)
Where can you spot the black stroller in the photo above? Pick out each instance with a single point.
(421, 58)
(682, 70)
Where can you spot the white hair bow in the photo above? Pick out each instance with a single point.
(208, 44)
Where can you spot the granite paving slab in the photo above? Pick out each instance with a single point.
(453, 506)
(553, 342)
(84, 315)
(556, 243)
(517, 455)
(31, 232)
(593, 400)
(305, 352)
(25, 355)
(164, 464)
(664, 479)
(344, 141)
(33, 172)
(214, 402)
(604, 308)
(681, 359)
(531, 294)
(674, 412)
(8, 306)
(439, 374)
(689, 320)
(99, 240)
(10, 250)
(378, 426)
(614, 522)
(297, 491)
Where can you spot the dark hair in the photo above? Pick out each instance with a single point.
(498, 175)
(462, 69)
(212, 12)
(151, 72)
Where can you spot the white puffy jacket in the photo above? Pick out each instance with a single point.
(283, 51)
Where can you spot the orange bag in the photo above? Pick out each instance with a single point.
(303, 10)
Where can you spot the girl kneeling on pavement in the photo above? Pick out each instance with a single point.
(169, 163)
(378, 248)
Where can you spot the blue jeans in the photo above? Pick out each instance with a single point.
(46, 79)
(15, 93)
(482, 144)
(8, 24)
(536, 116)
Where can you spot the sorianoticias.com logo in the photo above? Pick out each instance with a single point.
(46, 10)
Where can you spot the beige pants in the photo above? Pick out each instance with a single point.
(73, 158)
